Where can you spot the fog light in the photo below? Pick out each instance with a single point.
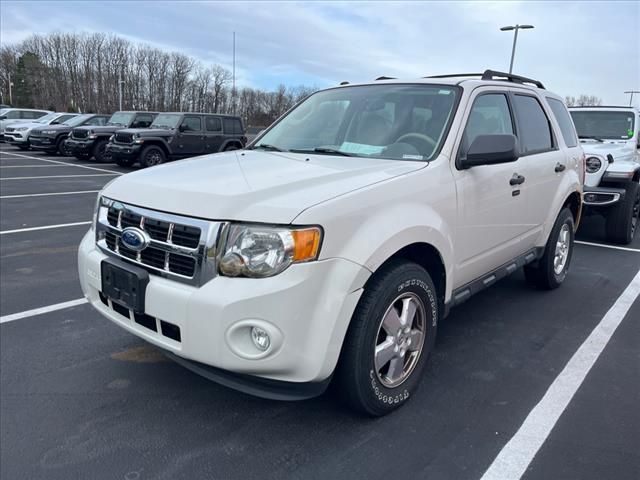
(260, 338)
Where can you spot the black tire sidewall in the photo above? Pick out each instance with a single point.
(372, 396)
(146, 150)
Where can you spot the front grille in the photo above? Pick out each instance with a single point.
(179, 247)
(9, 129)
(122, 137)
(79, 133)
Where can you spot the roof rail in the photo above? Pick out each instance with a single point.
(385, 78)
(494, 75)
(344, 83)
(605, 106)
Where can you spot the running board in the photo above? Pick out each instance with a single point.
(464, 293)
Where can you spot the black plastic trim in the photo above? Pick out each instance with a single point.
(252, 385)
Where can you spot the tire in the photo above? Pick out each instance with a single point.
(152, 155)
(23, 147)
(230, 148)
(377, 389)
(82, 156)
(623, 220)
(100, 153)
(62, 149)
(125, 162)
(551, 269)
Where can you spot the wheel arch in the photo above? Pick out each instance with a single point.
(574, 203)
(227, 143)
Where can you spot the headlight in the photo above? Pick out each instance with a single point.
(48, 132)
(258, 251)
(593, 164)
(22, 129)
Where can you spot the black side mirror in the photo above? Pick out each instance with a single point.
(182, 128)
(3, 117)
(490, 150)
(609, 158)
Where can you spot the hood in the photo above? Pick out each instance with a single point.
(621, 150)
(148, 132)
(252, 186)
(29, 125)
(51, 127)
(101, 129)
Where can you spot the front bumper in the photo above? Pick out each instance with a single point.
(125, 152)
(306, 310)
(42, 143)
(602, 196)
(16, 138)
(80, 146)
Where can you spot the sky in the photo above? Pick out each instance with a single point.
(588, 47)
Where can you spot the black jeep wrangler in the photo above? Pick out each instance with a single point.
(177, 135)
(85, 142)
(52, 138)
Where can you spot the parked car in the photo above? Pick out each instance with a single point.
(3, 106)
(52, 139)
(18, 134)
(87, 142)
(330, 248)
(611, 140)
(177, 135)
(18, 115)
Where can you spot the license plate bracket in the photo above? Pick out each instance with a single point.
(124, 283)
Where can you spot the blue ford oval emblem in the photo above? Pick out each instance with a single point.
(135, 239)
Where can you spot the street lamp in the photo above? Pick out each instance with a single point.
(515, 39)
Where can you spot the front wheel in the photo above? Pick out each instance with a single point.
(152, 155)
(551, 269)
(100, 152)
(62, 148)
(392, 332)
(623, 219)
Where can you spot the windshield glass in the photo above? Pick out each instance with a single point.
(121, 119)
(400, 122)
(75, 121)
(607, 124)
(166, 120)
(47, 118)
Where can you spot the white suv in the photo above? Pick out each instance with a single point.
(333, 245)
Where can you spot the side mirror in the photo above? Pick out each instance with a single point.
(182, 128)
(609, 158)
(490, 150)
(3, 117)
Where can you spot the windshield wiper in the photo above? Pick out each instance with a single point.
(590, 137)
(329, 150)
(266, 146)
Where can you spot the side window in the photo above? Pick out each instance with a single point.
(535, 130)
(232, 126)
(564, 120)
(191, 124)
(213, 124)
(61, 119)
(142, 121)
(97, 121)
(490, 115)
(13, 115)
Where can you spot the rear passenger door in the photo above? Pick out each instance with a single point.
(213, 134)
(542, 160)
(489, 207)
(232, 128)
(190, 136)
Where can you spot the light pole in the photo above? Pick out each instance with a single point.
(120, 82)
(515, 39)
(233, 88)
(10, 91)
(631, 99)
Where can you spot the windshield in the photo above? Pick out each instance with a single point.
(604, 125)
(166, 120)
(121, 119)
(75, 121)
(400, 122)
(47, 118)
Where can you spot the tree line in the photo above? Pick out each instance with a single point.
(583, 101)
(81, 73)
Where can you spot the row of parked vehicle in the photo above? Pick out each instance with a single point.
(147, 138)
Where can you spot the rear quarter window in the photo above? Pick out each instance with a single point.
(564, 120)
(232, 126)
(533, 125)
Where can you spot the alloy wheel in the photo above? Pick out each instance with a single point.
(562, 249)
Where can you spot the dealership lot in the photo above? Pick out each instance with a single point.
(81, 398)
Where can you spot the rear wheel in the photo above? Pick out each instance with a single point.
(551, 270)
(390, 337)
(152, 155)
(623, 218)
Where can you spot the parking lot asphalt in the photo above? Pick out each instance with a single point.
(82, 398)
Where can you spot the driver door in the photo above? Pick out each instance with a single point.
(490, 208)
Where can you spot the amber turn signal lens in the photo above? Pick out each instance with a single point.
(305, 244)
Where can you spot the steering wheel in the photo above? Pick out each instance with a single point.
(418, 136)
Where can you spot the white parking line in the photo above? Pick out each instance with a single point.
(602, 245)
(62, 176)
(45, 227)
(513, 460)
(59, 162)
(48, 194)
(31, 166)
(40, 311)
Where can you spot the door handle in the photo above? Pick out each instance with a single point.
(516, 180)
(560, 167)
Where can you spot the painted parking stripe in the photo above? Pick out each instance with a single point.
(513, 460)
(61, 176)
(48, 194)
(31, 166)
(40, 311)
(59, 162)
(602, 245)
(45, 227)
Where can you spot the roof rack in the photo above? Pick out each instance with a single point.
(604, 106)
(495, 75)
